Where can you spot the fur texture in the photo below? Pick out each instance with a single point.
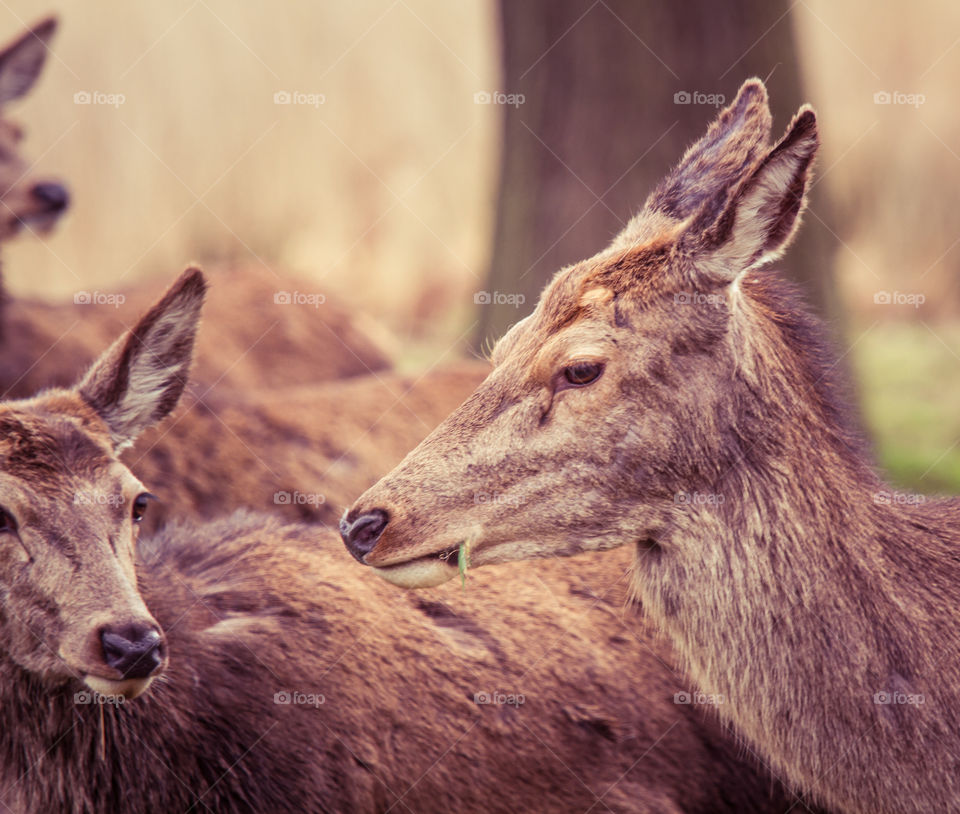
(252, 609)
(289, 680)
(716, 441)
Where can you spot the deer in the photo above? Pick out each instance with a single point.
(242, 665)
(673, 394)
(26, 202)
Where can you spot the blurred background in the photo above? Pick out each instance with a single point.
(433, 163)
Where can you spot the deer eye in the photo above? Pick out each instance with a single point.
(7, 523)
(140, 503)
(581, 374)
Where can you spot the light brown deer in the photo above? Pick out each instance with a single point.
(244, 665)
(672, 395)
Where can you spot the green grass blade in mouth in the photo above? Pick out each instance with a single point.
(463, 562)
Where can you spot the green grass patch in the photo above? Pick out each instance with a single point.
(908, 378)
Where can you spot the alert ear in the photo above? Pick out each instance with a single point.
(733, 143)
(140, 379)
(762, 216)
(22, 61)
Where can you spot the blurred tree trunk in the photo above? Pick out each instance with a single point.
(599, 127)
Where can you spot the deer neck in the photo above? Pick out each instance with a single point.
(797, 590)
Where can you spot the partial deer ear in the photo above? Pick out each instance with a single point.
(734, 142)
(140, 379)
(22, 60)
(762, 216)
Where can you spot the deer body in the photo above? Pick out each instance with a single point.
(293, 451)
(380, 687)
(671, 394)
(250, 340)
(242, 665)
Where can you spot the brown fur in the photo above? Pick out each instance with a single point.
(251, 608)
(715, 440)
(318, 445)
(248, 340)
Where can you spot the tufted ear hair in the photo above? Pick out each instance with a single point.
(140, 379)
(762, 216)
(732, 145)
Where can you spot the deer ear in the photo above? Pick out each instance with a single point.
(733, 143)
(762, 216)
(22, 60)
(140, 379)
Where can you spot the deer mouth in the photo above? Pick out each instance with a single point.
(423, 572)
(38, 222)
(128, 688)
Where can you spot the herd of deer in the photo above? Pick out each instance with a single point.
(219, 650)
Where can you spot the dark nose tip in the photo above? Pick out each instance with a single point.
(54, 196)
(361, 534)
(135, 650)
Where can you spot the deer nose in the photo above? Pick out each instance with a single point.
(52, 195)
(135, 650)
(360, 535)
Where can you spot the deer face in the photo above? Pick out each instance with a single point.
(612, 398)
(69, 604)
(25, 201)
(69, 527)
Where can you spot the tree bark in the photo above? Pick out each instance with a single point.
(599, 126)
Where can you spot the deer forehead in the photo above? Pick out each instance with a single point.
(47, 450)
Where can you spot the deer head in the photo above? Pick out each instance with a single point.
(69, 604)
(630, 384)
(24, 199)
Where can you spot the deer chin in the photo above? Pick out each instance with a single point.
(128, 688)
(423, 572)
